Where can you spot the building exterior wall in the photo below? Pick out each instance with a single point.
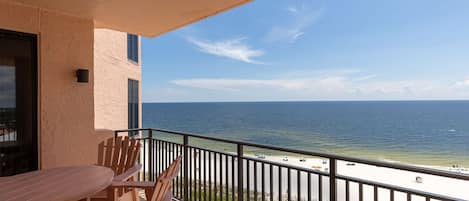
(66, 109)
(111, 73)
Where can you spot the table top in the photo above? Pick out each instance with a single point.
(58, 184)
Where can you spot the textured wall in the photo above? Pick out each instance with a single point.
(112, 71)
(67, 134)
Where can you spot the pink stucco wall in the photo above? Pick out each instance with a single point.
(112, 71)
(67, 134)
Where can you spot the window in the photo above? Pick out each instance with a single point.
(132, 47)
(133, 114)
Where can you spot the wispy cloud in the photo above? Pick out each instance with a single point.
(242, 84)
(293, 80)
(334, 86)
(464, 84)
(300, 18)
(235, 49)
(292, 9)
(366, 77)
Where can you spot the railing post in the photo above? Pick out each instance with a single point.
(186, 168)
(240, 172)
(116, 133)
(150, 153)
(332, 179)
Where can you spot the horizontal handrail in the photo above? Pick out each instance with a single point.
(404, 167)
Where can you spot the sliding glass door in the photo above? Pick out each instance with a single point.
(18, 110)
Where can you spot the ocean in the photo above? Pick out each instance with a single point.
(434, 133)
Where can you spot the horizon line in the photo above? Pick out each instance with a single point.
(283, 101)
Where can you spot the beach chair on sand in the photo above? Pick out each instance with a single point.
(121, 155)
(160, 190)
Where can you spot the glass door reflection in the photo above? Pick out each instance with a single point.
(7, 100)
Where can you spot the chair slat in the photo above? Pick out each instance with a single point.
(124, 156)
(158, 187)
(108, 156)
(133, 153)
(101, 153)
(130, 151)
(136, 153)
(117, 153)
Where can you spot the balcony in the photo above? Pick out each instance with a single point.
(229, 170)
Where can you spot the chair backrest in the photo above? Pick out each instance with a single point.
(119, 154)
(163, 183)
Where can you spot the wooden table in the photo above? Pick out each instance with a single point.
(58, 184)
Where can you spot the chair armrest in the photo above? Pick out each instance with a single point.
(133, 184)
(128, 174)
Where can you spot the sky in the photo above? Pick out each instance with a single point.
(309, 50)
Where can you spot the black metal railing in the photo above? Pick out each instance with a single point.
(210, 174)
(7, 125)
(8, 131)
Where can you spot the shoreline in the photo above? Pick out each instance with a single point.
(439, 161)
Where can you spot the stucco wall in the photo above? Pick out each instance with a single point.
(111, 73)
(67, 134)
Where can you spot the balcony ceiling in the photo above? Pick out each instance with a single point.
(143, 17)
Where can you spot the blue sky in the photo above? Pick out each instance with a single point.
(286, 50)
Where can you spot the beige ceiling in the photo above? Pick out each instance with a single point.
(143, 17)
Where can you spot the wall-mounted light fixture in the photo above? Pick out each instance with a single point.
(82, 75)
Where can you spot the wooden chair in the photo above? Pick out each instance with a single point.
(121, 155)
(160, 190)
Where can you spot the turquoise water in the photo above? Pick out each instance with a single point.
(416, 132)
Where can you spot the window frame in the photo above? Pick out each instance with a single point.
(133, 115)
(133, 52)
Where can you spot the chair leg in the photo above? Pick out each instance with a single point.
(133, 191)
(111, 194)
(134, 195)
(148, 194)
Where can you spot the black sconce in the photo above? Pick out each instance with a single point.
(82, 75)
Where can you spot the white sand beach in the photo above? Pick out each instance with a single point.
(428, 183)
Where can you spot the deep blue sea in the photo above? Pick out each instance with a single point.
(415, 132)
